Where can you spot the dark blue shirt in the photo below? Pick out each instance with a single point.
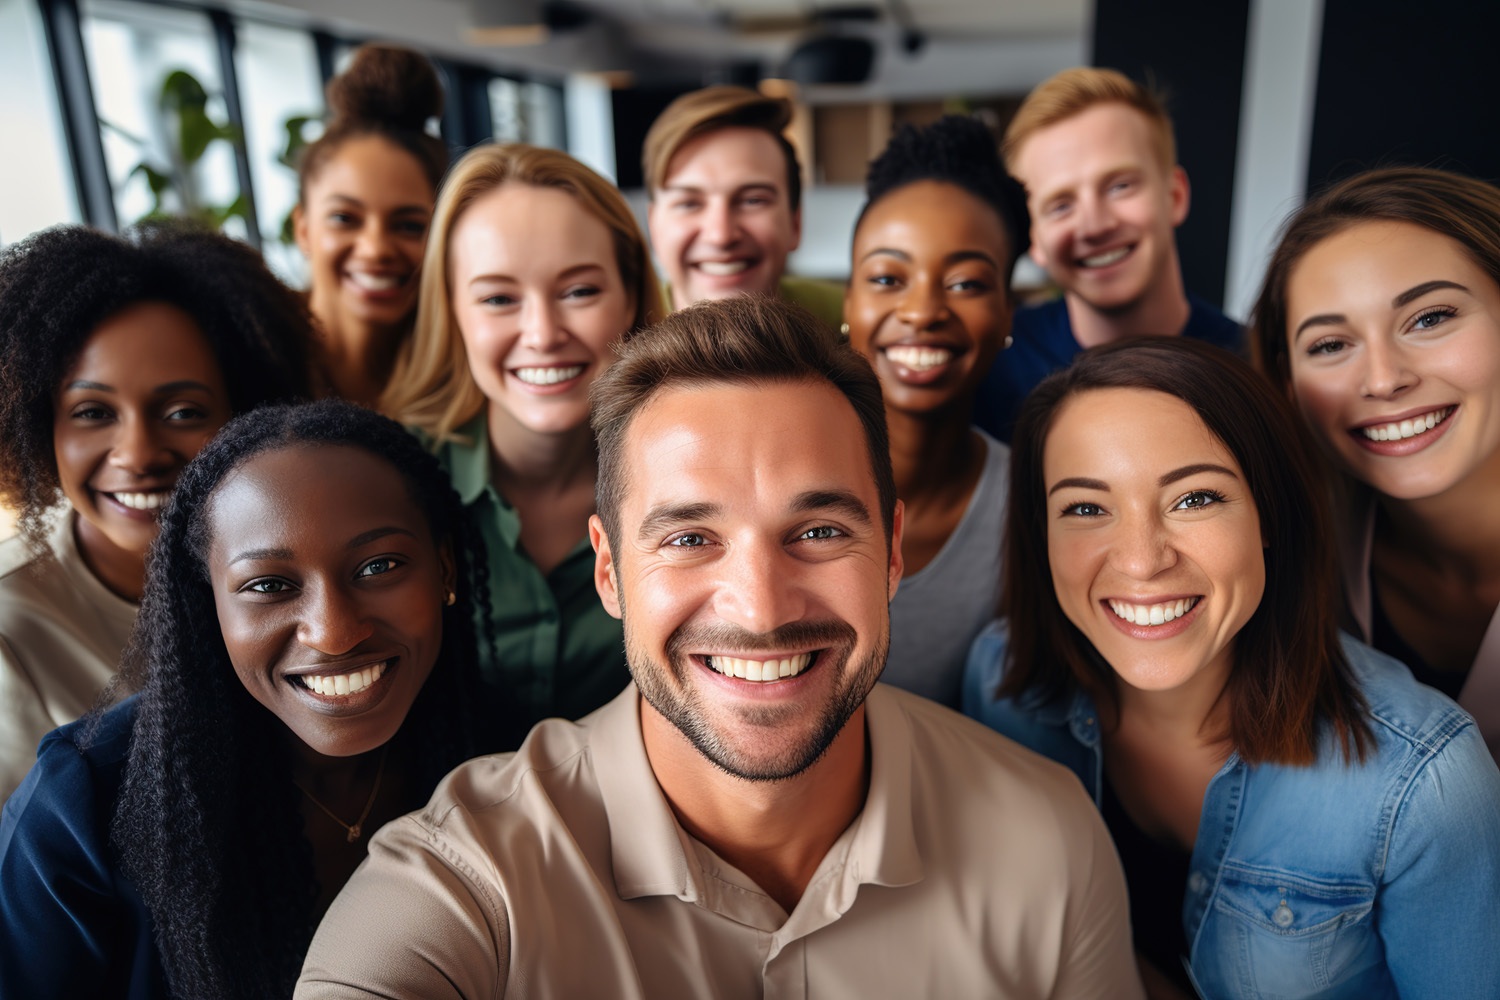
(1042, 343)
(71, 925)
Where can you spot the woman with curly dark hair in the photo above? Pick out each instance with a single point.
(119, 358)
(929, 304)
(308, 671)
(366, 191)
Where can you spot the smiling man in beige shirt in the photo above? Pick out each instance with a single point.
(754, 816)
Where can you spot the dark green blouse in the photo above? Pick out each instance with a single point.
(557, 651)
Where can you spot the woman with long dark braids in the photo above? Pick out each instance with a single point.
(313, 570)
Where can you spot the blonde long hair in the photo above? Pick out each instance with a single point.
(431, 388)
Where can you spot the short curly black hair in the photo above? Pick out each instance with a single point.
(57, 286)
(957, 150)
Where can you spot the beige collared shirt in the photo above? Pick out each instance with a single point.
(62, 634)
(976, 869)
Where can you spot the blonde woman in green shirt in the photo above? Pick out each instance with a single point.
(535, 271)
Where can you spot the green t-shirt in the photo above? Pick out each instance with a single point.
(557, 651)
(823, 298)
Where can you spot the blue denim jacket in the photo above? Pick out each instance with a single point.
(1333, 880)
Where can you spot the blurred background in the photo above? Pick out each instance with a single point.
(112, 110)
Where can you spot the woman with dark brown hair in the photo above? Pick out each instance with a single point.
(367, 189)
(1295, 814)
(1380, 318)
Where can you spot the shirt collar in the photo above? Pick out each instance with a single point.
(649, 853)
(469, 464)
(650, 858)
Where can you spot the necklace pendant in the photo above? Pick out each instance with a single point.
(354, 833)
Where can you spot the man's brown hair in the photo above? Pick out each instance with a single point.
(708, 110)
(743, 340)
(1076, 90)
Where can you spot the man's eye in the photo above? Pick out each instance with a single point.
(375, 567)
(821, 533)
(688, 540)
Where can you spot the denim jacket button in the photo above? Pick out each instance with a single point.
(1196, 882)
(1282, 917)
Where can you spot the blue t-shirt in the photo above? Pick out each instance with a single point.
(1042, 343)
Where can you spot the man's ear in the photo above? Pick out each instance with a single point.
(897, 566)
(796, 229)
(605, 580)
(1181, 194)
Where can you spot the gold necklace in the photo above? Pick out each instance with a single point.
(354, 830)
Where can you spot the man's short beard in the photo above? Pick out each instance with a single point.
(681, 706)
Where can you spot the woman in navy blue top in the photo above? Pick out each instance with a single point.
(1297, 817)
(307, 610)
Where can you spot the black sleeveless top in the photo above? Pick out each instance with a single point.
(1156, 874)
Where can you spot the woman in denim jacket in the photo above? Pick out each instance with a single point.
(1297, 817)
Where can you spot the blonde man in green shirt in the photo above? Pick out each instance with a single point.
(726, 201)
(535, 272)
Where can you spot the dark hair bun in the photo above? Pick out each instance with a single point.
(386, 84)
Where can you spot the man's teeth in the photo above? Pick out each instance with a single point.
(141, 501)
(1407, 428)
(1152, 614)
(377, 282)
(339, 684)
(760, 670)
(1105, 259)
(722, 268)
(919, 359)
(548, 376)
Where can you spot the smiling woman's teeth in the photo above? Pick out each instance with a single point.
(1403, 429)
(1152, 614)
(760, 670)
(141, 501)
(548, 376)
(1105, 259)
(377, 282)
(919, 359)
(338, 684)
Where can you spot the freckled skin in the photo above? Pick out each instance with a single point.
(292, 593)
(144, 396)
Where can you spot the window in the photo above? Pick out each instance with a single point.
(133, 51)
(278, 74)
(36, 181)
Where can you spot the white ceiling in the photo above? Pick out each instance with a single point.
(972, 46)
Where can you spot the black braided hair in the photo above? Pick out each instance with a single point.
(57, 286)
(957, 150)
(208, 823)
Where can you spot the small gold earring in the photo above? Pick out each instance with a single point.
(451, 599)
(844, 329)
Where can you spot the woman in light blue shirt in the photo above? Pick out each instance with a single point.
(1297, 817)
